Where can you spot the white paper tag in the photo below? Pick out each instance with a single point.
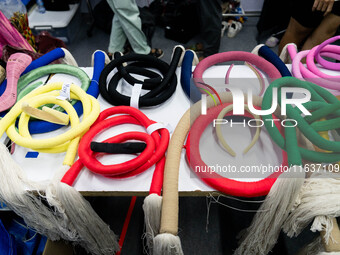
(158, 125)
(65, 92)
(134, 100)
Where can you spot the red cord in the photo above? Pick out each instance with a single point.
(225, 185)
(154, 152)
(126, 224)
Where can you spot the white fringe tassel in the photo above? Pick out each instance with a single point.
(319, 200)
(13, 192)
(87, 228)
(152, 208)
(262, 235)
(71, 217)
(167, 244)
(94, 234)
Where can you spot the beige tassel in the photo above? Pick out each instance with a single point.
(18, 193)
(87, 228)
(167, 244)
(311, 205)
(262, 235)
(152, 207)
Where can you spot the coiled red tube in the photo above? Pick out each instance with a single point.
(154, 153)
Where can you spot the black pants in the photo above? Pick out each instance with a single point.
(210, 12)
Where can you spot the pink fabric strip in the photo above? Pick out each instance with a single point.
(334, 50)
(253, 59)
(327, 64)
(301, 72)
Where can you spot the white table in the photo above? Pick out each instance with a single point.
(44, 166)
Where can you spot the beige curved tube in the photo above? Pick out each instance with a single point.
(47, 114)
(220, 135)
(169, 217)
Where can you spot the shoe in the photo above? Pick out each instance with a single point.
(158, 53)
(272, 41)
(112, 57)
(198, 48)
(107, 58)
(234, 28)
(225, 26)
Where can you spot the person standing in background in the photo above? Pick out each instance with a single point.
(311, 23)
(210, 12)
(127, 25)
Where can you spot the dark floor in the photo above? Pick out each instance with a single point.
(244, 41)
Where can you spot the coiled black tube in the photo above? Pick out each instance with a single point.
(161, 87)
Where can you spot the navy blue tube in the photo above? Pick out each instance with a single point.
(38, 127)
(187, 83)
(270, 56)
(42, 61)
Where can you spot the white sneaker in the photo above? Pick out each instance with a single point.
(225, 26)
(234, 28)
(272, 41)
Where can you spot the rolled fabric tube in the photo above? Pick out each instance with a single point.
(220, 135)
(276, 207)
(46, 114)
(160, 88)
(253, 59)
(225, 185)
(192, 86)
(25, 86)
(121, 148)
(156, 139)
(311, 72)
(156, 145)
(167, 241)
(42, 61)
(254, 69)
(16, 65)
(325, 50)
(301, 72)
(37, 127)
(270, 56)
(64, 221)
(324, 62)
(331, 105)
(187, 83)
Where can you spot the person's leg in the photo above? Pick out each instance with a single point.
(324, 31)
(295, 33)
(211, 23)
(117, 35)
(128, 14)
